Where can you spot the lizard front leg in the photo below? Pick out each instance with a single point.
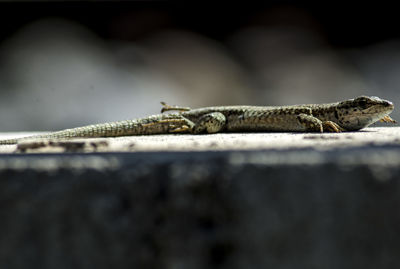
(313, 124)
(310, 123)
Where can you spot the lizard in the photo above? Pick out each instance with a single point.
(349, 115)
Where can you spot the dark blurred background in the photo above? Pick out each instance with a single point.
(64, 64)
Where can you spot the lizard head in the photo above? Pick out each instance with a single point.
(362, 111)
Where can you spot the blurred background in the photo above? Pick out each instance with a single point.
(66, 64)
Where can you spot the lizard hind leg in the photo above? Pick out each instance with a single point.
(210, 123)
(185, 126)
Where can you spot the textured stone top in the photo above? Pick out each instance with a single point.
(213, 142)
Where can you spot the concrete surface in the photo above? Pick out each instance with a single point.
(265, 200)
(223, 141)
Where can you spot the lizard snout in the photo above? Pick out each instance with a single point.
(388, 104)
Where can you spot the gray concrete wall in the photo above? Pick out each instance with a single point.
(274, 208)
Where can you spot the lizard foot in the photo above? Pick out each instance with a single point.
(163, 121)
(175, 125)
(387, 119)
(332, 127)
(173, 108)
(181, 129)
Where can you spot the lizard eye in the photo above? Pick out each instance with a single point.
(362, 103)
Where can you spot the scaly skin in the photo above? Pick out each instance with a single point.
(349, 115)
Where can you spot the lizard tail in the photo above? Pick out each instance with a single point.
(157, 124)
(8, 142)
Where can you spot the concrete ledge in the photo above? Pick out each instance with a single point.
(215, 142)
(273, 208)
